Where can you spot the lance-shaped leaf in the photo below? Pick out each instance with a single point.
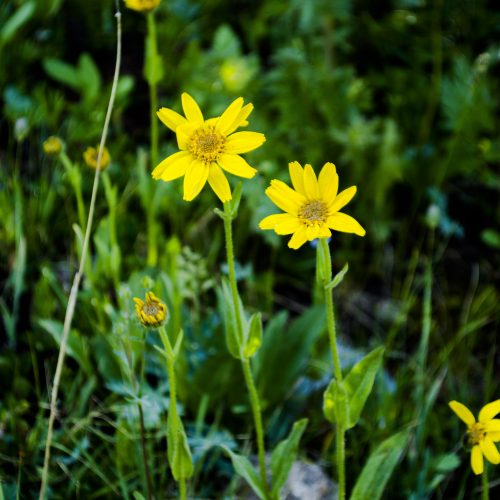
(338, 278)
(254, 336)
(336, 404)
(179, 454)
(230, 324)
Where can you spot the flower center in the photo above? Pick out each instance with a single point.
(206, 144)
(476, 433)
(151, 308)
(313, 212)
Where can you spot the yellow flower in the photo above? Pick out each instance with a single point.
(52, 146)
(152, 312)
(90, 156)
(312, 207)
(482, 434)
(207, 147)
(142, 5)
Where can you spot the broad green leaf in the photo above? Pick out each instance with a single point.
(254, 337)
(245, 469)
(336, 404)
(62, 72)
(379, 467)
(138, 496)
(284, 455)
(323, 263)
(230, 322)
(89, 76)
(153, 67)
(20, 17)
(338, 278)
(179, 454)
(359, 383)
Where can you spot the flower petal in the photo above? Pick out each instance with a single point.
(342, 199)
(489, 411)
(462, 412)
(172, 167)
(310, 183)
(170, 118)
(285, 197)
(271, 221)
(191, 109)
(490, 451)
(218, 183)
(492, 425)
(242, 142)
(345, 223)
(494, 436)
(236, 165)
(226, 120)
(476, 460)
(297, 176)
(184, 133)
(288, 224)
(194, 180)
(328, 181)
(324, 231)
(312, 232)
(298, 238)
(241, 119)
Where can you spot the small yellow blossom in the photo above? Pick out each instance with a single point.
(312, 207)
(52, 146)
(208, 147)
(152, 312)
(90, 156)
(142, 5)
(481, 434)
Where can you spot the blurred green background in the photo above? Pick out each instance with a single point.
(402, 95)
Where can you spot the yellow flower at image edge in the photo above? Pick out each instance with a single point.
(52, 146)
(152, 312)
(312, 207)
(142, 5)
(90, 156)
(482, 434)
(208, 147)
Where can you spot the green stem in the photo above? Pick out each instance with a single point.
(332, 335)
(182, 488)
(245, 362)
(149, 483)
(486, 489)
(70, 309)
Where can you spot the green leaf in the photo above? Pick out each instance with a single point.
(244, 468)
(138, 496)
(62, 72)
(359, 383)
(338, 278)
(22, 15)
(153, 67)
(179, 454)
(231, 327)
(89, 77)
(284, 455)
(178, 343)
(254, 337)
(379, 467)
(336, 404)
(236, 198)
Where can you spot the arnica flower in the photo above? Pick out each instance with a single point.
(142, 5)
(312, 207)
(90, 156)
(208, 147)
(481, 434)
(52, 146)
(152, 312)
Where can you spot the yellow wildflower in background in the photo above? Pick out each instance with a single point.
(52, 146)
(152, 312)
(312, 207)
(207, 147)
(482, 434)
(90, 156)
(142, 5)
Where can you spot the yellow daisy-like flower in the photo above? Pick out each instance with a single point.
(152, 312)
(90, 156)
(207, 147)
(52, 146)
(482, 434)
(312, 207)
(142, 5)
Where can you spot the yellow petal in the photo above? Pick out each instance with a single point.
(490, 451)
(489, 411)
(328, 181)
(312, 232)
(170, 118)
(494, 436)
(476, 460)
(342, 199)
(492, 425)
(138, 302)
(324, 231)
(298, 238)
(172, 167)
(297, 176)
(271, 221)
(184, 133)
(236, 165)
(345, 223)
(284, 197)
(194, 180)
(241, 119)
(288, 224)
(242, 142)
(218, 183)
(462, 412)
(310, 183)
(226, 120)
(191, 109)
